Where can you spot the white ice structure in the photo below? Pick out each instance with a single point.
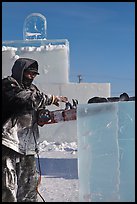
(106, 152)
(52, 57)
(54, 66)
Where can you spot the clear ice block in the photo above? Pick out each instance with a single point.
(106, 152)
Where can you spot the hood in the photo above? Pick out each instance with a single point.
(20, 65)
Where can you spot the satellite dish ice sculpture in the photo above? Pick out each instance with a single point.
(35, 27)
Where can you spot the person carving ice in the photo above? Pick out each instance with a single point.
(21, 100)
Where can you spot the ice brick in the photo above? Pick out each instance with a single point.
(106, 152)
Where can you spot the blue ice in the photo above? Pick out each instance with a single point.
(106, 151)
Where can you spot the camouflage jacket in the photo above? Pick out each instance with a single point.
(19, 110)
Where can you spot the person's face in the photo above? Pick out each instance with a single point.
(30, 75)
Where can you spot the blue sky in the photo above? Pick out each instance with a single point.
(101, 36)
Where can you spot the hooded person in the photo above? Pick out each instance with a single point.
(21, 100)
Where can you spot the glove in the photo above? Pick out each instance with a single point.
(63, 99)
(58, 99)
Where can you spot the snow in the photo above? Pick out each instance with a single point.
(58, 146)
(59, 171)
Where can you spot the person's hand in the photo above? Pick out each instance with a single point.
(58, 99)
(63, 99)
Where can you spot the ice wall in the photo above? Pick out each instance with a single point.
(52, 57)
(106, 152)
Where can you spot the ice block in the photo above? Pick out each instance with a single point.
(106, 152)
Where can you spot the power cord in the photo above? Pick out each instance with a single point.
(39, 169)
(39, 178)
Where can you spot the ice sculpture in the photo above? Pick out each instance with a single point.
(35, 27)
(36, 46)
(106, 152)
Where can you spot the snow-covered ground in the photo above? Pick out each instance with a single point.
(59, 171)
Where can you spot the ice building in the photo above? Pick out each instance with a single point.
(54, 65)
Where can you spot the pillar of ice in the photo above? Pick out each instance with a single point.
(106, 152)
